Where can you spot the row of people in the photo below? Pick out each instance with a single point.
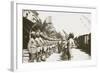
(40, 48)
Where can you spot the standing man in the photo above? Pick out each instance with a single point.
(32, 46)
(70, 45)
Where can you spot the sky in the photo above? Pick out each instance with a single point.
(77, 23)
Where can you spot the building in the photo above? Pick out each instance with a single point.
(84, 43)
(31, 21)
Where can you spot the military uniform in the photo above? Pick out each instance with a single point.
(32, 49)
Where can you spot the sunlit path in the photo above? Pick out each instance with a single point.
(54, 57)
(75, 53)
(79, 55)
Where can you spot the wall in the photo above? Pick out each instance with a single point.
(5, 32)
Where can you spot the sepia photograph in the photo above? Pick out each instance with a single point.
(50, 36)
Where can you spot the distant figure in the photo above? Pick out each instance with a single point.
(60, 45)
(70, 45)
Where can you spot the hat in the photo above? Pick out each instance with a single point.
(33, 33)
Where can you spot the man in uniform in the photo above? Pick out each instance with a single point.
(32, 46)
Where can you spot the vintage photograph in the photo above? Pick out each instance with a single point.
(49, 36)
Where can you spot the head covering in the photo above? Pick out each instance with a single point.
(33, 34)
(37, 34)
(71, 35)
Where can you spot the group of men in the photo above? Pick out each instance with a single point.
(40, 48)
